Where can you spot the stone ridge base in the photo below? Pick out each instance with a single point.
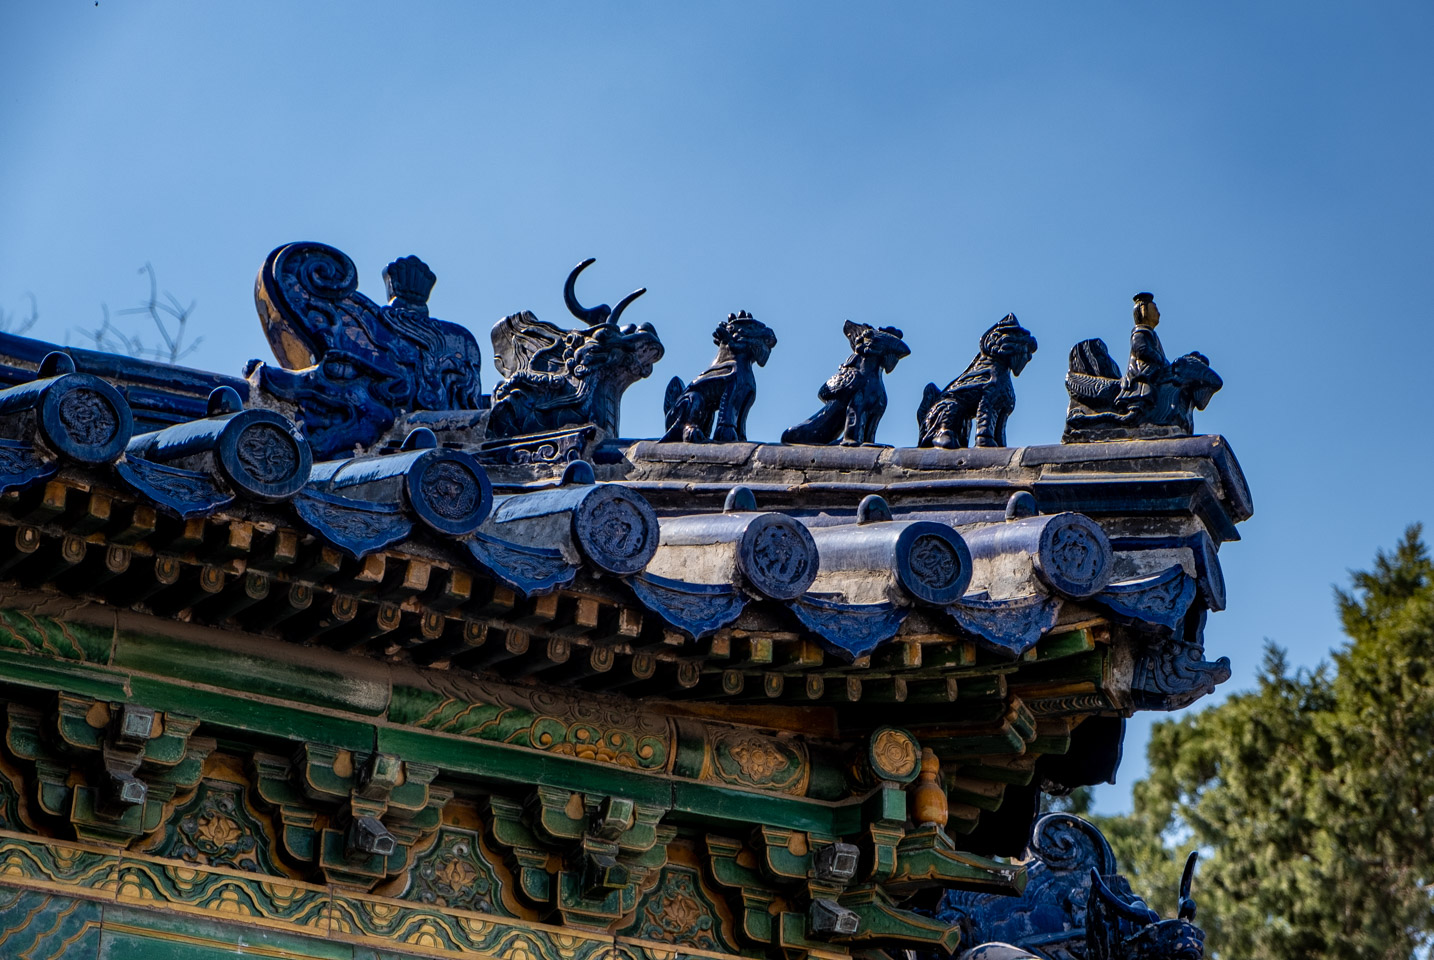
(68, 901)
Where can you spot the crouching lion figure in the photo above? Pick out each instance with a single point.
(724, 392)
(983, 394)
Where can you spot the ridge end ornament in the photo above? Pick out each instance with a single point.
(1155, 398)
(348, 367)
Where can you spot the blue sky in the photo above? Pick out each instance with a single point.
(1262, 168)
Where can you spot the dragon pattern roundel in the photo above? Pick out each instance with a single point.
(88, 416)
(935, 562)
(450, 489)
(268, 453)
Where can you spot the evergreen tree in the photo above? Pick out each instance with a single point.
(1311, 798)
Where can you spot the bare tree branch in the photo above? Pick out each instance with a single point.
(171, 320)
(12, 323)
(169, 315)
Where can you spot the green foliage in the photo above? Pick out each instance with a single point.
(1311, 797)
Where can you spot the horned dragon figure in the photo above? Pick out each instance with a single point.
(854, 399)
(983, 394)
(1076, 906)
(556, 378)
(1122, 927)
(724, 391)
(348, 366)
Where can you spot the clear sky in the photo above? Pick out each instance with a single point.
(1262, 168)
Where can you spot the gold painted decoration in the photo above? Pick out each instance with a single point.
(595, 728)
(216, 826)
(679, 911)
(455, 873)
(62, 887)
(927, 799)
(894, 755)
(748, 759)
(58, 866)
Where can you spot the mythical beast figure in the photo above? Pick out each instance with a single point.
(556, 378)
(348, 365)
(984, 393)
(724, 391)
(855, 397)
(1076, 906)
(1119, 926)
(1155, 398)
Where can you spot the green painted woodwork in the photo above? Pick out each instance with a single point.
(80, 679)
(928, 853)
(570, 805)
(343, 786)
(218, 826)
(1056, 646)
(608, 851)
(288, 720)
(882, 922)
(290, 679)
(109, 782)
(48, 637)
(10, 787)
(132, 933)
(455, 872)
(755, 921)
(593, 728)
(495, 763)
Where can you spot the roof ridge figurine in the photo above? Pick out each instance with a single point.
(556, 378)
(983, 394)
(724, 392)
(1155, 398)
(348, 366)
(854, 399)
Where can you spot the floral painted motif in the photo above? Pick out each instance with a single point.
(758, 759)
(894, 755)
(216, 828)
(678, 911)
(218, 831)
(453, 873)
(766, 763)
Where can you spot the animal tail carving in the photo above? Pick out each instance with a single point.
(1092, 358)
(929, 396)
(1094, 379)
(675, 389)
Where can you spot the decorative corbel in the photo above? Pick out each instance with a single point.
(734, 867)
(109, 769)
(356, 817)
(587, 856)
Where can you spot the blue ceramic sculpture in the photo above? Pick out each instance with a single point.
(854, 399)
(349, 366)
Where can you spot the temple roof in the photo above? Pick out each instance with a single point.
(404, 604)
